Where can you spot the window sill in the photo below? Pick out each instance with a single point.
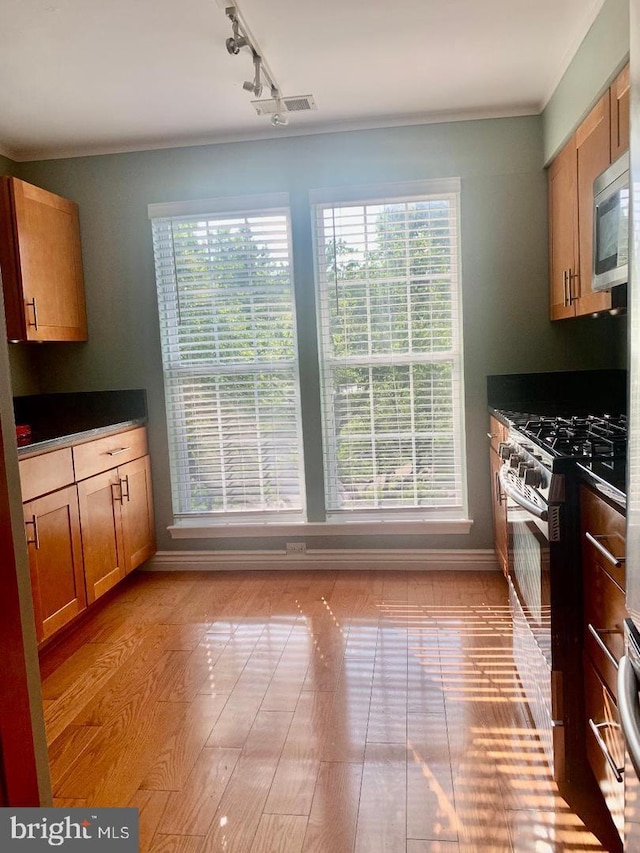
(263, 530)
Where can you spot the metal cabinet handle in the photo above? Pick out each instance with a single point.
(491, 435)
(629, 710)
(595, 633)
(36, 540)
(595, 541)
(565, 281)
(572, 277)
(604, 749)
(118, 450)
(118, 496)
(124, 494)
(31, 303)
(499, 493)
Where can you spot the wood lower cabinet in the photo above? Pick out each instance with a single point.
(55, 558)
(498, 433)
(101, 519)
(116, 515)
(603, 574)
(41, 264)
(605, 743)
(138, 530)
(93, 527)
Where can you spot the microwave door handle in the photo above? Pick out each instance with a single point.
(516, 497)
(629, 710)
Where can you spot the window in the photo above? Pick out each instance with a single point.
(227, 325)
(390, 352)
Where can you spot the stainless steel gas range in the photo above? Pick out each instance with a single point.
(543, 458)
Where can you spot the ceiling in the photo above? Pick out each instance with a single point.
(81, 77)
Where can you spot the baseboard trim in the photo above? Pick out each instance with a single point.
(415, 559)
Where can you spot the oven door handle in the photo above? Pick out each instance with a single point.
(517, 497)
(629, 710)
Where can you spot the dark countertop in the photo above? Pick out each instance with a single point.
(59, 420)
(33, 448)
(600, 481)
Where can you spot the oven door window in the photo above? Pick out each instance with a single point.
(529, 545)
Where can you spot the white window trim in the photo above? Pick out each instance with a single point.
(192, 529)
(404, 191)
(246, 206)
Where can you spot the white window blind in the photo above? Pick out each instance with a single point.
(227, 325)
(387, 273)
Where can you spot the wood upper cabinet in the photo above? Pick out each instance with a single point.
(593, 152)
(41, 264)
(55, 557)
(597, 142)
(620, 114)
(563, 231)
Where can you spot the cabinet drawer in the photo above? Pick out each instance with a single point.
(45, 473)
(606, 526)
(101, 454)
(604, 613)
(604, 738)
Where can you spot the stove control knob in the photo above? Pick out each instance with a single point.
(523, 467)
(515, 459)
(505, 450)
(533, 477)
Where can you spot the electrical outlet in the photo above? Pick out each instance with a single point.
(296, 547)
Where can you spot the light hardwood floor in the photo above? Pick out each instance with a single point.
(316, 712)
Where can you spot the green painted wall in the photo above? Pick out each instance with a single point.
(7, 166)
(504, 265)
(604, 50)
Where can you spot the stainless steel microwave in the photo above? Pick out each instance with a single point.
(611, 226)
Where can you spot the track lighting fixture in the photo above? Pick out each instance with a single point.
(236, 41)
(276, 106)
(279, 118)
(254, 86)
(241, 38)
(234, 44)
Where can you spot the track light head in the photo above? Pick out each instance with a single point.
(251, 86)
(234, 44)
(279, 120)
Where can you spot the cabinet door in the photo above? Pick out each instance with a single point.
(563, 231)
(620, 114)
(499, 507)
(43, 281)
(100, 500)
(137, 512)
(55, 557)
(605, 744)
(593, 146)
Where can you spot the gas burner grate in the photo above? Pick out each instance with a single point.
(589, 436)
